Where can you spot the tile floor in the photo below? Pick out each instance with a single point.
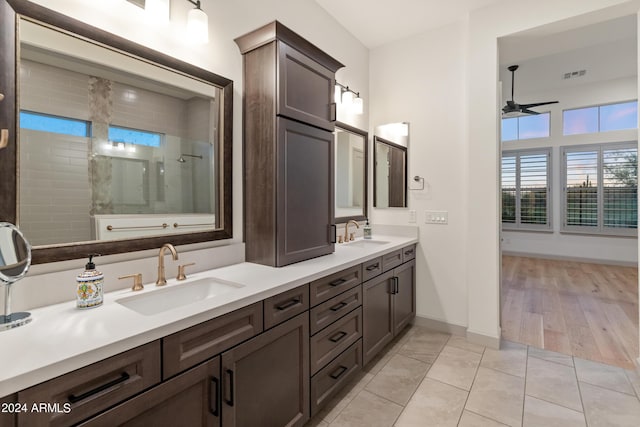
(427, 379)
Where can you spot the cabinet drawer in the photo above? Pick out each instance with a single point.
(408, 253)
(189, 347)
(286, 305)
(93, 388)
(333, 340)
(391, 260)
(326, 313)
(328, 287)
(333, 377)
(7, 415)
(371, 268)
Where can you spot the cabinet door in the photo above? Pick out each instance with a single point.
(304, 192)
(377, 306)
(305, 89)
(266, 379)
(190, 399)
(404, 299)
(8, 410)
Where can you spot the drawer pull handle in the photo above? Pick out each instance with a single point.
(288, 304)
(229, 401)
(338, 372)
(74, 399)
(409, 252)
(373, 266)
(396, 285)
(338, 282)
(214, 388)
(337, 337)
(338, 306)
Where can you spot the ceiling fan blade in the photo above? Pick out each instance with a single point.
(537, 104)
(527, 111)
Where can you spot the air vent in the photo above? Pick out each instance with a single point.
(574, 74)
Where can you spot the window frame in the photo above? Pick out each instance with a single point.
(600, 229)
(517, 118)
(518, 225)
(598, 124)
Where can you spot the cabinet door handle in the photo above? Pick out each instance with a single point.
(288, 304)
(373, 266)
(4, 138)
(74, 399)
(396, 283)
(229, 401)
(338, 282)
(214, 404)
(338, 372)
(337, 337)
(332, 238)
(338, 306)
(409, 252)
(333, 107)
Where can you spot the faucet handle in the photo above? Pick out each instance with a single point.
(340, 239)
(352, 236)
(181, 275)
(137, 281)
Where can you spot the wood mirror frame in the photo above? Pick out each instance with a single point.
(397, 179)
(10, 12)
(365, 191)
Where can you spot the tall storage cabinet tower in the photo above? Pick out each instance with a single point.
(288, 120)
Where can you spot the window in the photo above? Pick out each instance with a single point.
(134, 136)
(525, 127)
(525, 189)
(54, 124)
(601, 189)
(601, 118)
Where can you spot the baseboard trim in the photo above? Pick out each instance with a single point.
(461, 331)
(571, 258)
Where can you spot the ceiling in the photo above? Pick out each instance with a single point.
(378, 22)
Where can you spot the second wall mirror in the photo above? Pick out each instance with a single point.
(351, 173)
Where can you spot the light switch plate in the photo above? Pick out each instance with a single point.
(436, 217)
(412, 216)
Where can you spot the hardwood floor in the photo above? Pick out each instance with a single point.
(582, 309)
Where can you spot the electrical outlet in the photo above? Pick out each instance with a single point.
(436, 217)
(412, 216)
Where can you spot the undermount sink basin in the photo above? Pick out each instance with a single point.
(177, 295)
(363, 243)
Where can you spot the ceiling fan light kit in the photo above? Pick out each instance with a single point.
(512, 108)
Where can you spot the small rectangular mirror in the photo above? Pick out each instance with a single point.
(351, 173)
(390, 165)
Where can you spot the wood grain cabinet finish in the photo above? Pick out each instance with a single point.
(408, 253)
(191, 346)
(8, 415)
(404, 299)
(288, 147)
(191, 399)
(371, 268)
(286, 305)
(334, 339)
(327, 287)
(333, 377)
(266, 379)
(391, 260)
(93, 388)
(329, 311)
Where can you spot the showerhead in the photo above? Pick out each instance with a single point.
(181, 159)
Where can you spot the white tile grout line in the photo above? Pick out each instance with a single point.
(575, 372)
(471, 388)
(524, 391)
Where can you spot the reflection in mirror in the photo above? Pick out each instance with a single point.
(119, 148)
(351, 173)
(15, 259)
(390, 171)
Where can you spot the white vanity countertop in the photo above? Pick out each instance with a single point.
(62, 338)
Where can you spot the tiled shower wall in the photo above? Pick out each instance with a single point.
(55, 196)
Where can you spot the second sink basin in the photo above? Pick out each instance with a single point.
(177, 295)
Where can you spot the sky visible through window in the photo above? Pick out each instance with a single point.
(525, 127)
(54, 124)
(134, 136)
(601, 118)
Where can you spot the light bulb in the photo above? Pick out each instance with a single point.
(198, 26)
(347, 99)
(158, 9)
(358, 106)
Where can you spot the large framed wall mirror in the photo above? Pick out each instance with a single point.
(112, 147)
(351, 173)
(390, 174)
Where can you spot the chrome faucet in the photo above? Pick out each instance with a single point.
(161, 279)
(347, 236)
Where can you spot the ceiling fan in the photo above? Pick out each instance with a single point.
(513, 107)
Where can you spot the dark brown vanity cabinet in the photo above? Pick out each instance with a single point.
(389, 304)
(288, 120)
(265, 381)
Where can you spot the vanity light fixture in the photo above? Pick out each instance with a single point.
(197, 23)
(349, 99)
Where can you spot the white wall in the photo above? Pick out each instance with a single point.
(227, 20)
(445, 83)
(613, 249)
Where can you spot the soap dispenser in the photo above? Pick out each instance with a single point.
(90, 281)
(367, 230)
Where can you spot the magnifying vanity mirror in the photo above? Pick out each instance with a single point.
(390, 165)
(351, 173)
(117, 147)
(15, 259)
